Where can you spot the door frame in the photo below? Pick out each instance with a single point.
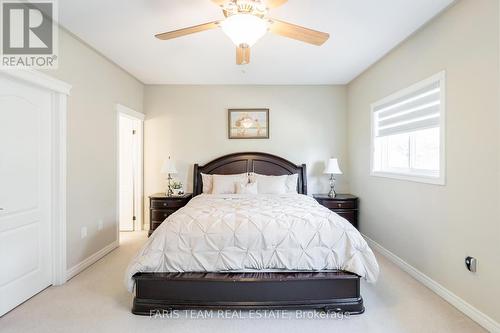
(122, 110)
(60, 91)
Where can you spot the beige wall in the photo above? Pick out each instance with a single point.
(308, 125)
(434, 227)
(98, 85)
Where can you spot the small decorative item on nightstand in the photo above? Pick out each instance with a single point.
(169, 169)
(177, 188)
(162, 206)
(346, 205)
(332, 168)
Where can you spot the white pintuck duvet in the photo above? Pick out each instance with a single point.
(216, 233)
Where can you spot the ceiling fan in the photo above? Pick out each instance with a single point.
(246, 21)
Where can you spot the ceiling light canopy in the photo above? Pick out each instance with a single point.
(244, 29)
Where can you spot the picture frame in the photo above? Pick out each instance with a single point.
(248, 123)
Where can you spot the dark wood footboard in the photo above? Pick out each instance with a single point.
(329, 291)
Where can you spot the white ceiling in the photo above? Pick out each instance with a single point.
(361, 32)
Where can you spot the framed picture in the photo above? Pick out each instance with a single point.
(248, 123)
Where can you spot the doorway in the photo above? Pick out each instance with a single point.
(130, 169)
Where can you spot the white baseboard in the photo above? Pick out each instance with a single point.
(78, 268)
(470, 311)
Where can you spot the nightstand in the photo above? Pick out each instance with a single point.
(161, 207)
(346, 205)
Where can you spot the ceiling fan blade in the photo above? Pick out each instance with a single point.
(187, 31)
(242, 55)
(275, 3)
(297, 32)
(219, 2)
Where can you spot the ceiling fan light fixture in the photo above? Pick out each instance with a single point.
(244, 29)
(247, 21)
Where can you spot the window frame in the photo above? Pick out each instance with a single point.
(414, 175)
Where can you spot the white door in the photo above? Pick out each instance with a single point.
(25, 192)
(128, 158)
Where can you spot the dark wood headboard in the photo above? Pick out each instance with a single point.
(265, 164)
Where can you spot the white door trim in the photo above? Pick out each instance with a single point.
(128, 112)
(60, 91)
(38, 79)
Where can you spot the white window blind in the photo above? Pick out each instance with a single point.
(408, 133)
(414, 111)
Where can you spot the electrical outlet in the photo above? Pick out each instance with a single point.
(471, 264)
(100, 225)
(84, 232)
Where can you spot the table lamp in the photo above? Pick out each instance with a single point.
(332, 168)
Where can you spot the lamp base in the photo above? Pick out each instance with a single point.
(332, 193)
(169, 192)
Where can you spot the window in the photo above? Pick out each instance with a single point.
(408, 133)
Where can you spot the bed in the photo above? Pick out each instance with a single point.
(251, 251)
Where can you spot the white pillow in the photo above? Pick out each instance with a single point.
(248, 188)
(271, 184)
(226, 184)
(208, 182)
(290, 183)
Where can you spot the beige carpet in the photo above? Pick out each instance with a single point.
(97, 301)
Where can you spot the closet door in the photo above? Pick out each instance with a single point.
(25, 191)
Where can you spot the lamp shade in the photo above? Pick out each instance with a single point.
(168, 166)
(332, 167)
(244, 29)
